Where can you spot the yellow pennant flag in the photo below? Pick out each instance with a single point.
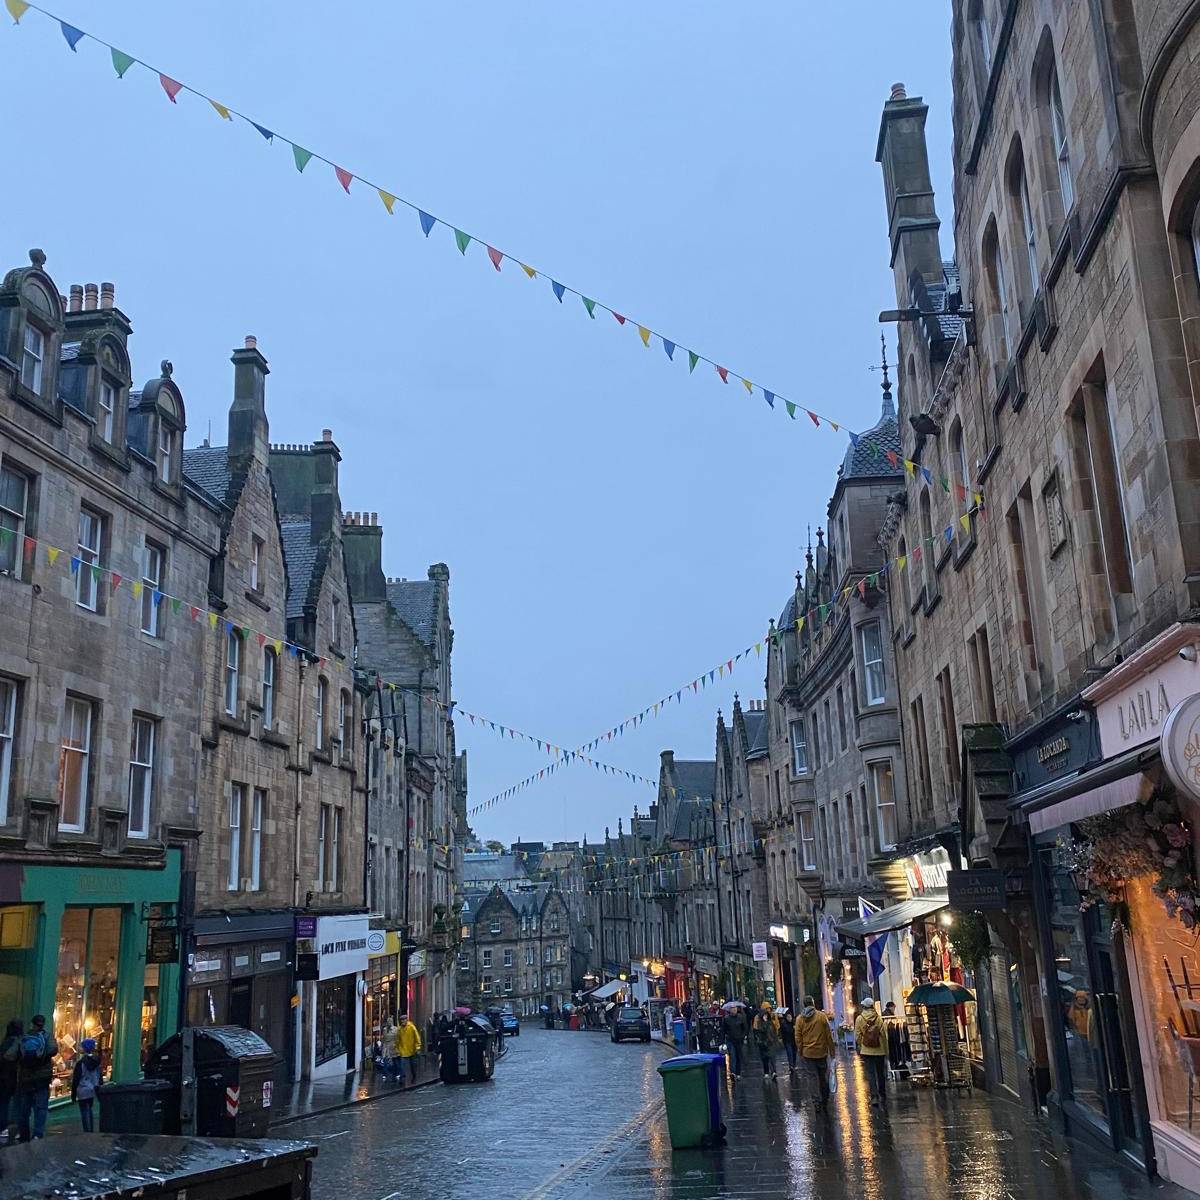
(902, 561)
(656, 710)
(644, 334)
(529, 271)
(212, 620)
(748, 386)
(388, 199)
(137, 588)
(222, 111)
(721, 671)
(835, 425)
(978, 497)
(799, 624)
(278, 645)
(965, 522)
(51, 554)
(757, 649)
(909, 465)
(845, 593)
(18, 9)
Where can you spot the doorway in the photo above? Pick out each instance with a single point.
(239, 1004)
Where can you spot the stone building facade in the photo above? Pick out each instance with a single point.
(104, 549)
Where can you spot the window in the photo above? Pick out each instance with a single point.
(8, 735)
(166, 452)
(841, 711)
(91, 530)
(323, 823)
(508, 983)
(495, 925)
(999, 293)
(529, 956)
(808, 841)
(1062, 151)
(345, 724)
(851, 837)
(487, 984)
(14, 507)
(816, 743)
(1028, 276)
(799, 747)
(335, 621)
(874, 675)
(884, 791)
(554, 922)
(487, 958)
(258, 802)
(256, 549)
(839, 841)
(546, 955)
(141, 776)
(106, 408)
(979, 661)
(33, 353)
(270, 665)
(921, 754)
(928, 550)
(508, 958)
(335, 853)
(1030, 589)
(233, 659)
(949, 731)
(322, 701)
(864, 839)
(828, 729)
(152, 581)
(237, 800)
(74, 770)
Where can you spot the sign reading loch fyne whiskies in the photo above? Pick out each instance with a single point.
(980, 888)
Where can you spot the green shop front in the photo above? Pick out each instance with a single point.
(75, 945)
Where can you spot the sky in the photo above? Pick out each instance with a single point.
(613, 526)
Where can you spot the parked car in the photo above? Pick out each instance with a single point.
(630, 1023)
(504, 1021)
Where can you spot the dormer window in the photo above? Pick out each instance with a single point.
(105, 410)
(33, 356)
(166, 452)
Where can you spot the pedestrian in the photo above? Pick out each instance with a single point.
(85, 1079)
(735, 1039)
(814, 1041)
(408, 1047)
(766, 1039)
(388, 1062)
(38, 1048)
(871, 1036)
(10, 1066)
(787, 1035)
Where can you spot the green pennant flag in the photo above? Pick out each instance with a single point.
(462, 240)
(824, 611)
(590, 305)
(945, 485)
(693, 359)
(175, 604)
(301, 156)
(244, 632)
(874, 449)
(96, 573)
(791, 409)
(873, 580)
(122, 62)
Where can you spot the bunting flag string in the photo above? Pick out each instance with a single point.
(302, 156)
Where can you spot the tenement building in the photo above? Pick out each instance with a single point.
(1048, 527)
(104, 564)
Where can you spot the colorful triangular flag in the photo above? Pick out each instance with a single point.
(462, 240)
(427, 222)
(669, 347)
(221, 110)
(72, 34)
(496, 257)
(171, 86)
(343, 177)
(120, 60)
(558, 290)
(17, 8)
(388, 199)
(265, 132)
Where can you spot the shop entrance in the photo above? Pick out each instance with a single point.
(1113, 1044)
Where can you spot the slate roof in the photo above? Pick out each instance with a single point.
(492, 868)
(694, 778)
(530, 900)
(937, 295)
(756, 733)
(206, 466)
(300, 558)
(693, 821)
(862, 460)
(415, 602)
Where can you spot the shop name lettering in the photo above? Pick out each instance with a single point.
(344, 947)
(1142, 712)
(1053, 749)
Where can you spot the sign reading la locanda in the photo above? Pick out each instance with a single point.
(983, 887)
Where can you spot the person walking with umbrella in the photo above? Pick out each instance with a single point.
(871, 1036)
(734, 1026)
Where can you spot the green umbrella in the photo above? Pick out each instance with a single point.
(933, 994)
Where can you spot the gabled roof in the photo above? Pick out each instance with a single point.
(207, 467)
(693, 821)
(694, 778)
(756, 732)
(415, 602)
(301, 557)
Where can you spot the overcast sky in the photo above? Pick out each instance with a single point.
(612, 526)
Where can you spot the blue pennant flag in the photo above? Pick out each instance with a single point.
(669, 347)
(854, 439)
(948, 533)
(928, 474)
(72, 34)
(75, 566)
(427, 222)
(558, 290)
(265, 132)
(157, 597)
(769, 397)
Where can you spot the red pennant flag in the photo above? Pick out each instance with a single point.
(916, 554)
(323, 662)
(495, 256)
(724, 374)
(812, 416)
(30, 547)
(862, 589)
(170, 86)
(343, 177)
(962, 492)
(262, 640)
(620, 319)
(892, 457)
(729, 665)
(116, 581)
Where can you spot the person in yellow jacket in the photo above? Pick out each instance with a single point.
(814, 1041)
(870, 1033)
(408, 1048)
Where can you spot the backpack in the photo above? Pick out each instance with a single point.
(33, 1049)
(89, 1080)
(872, 1036)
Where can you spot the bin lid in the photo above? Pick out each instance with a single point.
(134, 1085)
(686, 1062)
(214, 1044)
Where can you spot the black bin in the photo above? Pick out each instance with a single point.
(235, 1072)
(139, 1106)
(709, 1034)
(468, 1051)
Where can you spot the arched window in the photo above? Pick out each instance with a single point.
(1196, 240)
(999, 292)
(927, 547)
(980, 33)
(1053, 151)
(960, 472)
(1028, 276)
(1062, 149)
(233, 662)
(320, 713)
(167, 448)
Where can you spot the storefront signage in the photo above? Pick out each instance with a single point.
(1179, 746)
(779, 933)
(978, 889)
(416, 963)
(760, 951)
(201, 966)
(342, 945)
(306, 927)
(162, 944)
(376, 941)
(926, 873)
(1053, 749)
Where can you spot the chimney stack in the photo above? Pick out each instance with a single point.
(249, 431)
(108, 295)
(75, 304)
(90, 292)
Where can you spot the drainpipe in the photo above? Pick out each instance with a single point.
(299, 782)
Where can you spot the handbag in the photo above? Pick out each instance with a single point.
(832, 1078)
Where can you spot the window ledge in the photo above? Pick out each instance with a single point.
(944, 557)
(15, 578)
(910, 632)
(989, 462)
(117, 455)
(233, 724)
(964, 548)
(931, 604)
(258, 599)
(272, 737)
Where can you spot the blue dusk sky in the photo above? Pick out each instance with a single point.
(613, 527)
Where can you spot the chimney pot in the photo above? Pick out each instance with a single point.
(108, 295)
(374, 518)
(90, 293)
(75, 304)
(327, 435)
(898, 92)
(251, 342)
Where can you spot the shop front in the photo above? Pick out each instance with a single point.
(416, 988)
(240, 973)
(381, 999)
(80, 944)
(784, 953)
(336, 959)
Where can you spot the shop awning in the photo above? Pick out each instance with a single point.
(608, 989)
(896, 917)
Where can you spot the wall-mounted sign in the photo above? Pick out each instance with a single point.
(306, 927)
(162, 944)
(1179, 746)
(980, 888)
(342, 945)
(308, 966)
(376, 941)
(779, 933)
(1054, 749)
(760, 951)
(926, 873)
(416, 963)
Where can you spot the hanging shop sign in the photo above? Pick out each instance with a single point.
(780, 933)
(342, 945)
(982, 888)
(926, 873)
(162, 944)
(416, 963)
(1179, 745)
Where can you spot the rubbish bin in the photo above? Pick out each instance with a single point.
(691, 1087)
(679, 1031)
(467, 1051)
(709, 1035)
(139, 1106)
(235, 1084)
